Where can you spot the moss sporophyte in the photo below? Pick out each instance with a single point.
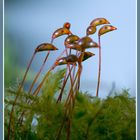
(75, 52)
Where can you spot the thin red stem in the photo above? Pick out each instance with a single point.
(71, 89)
(68, 66)
(64, 83)
(26, 71)
(42, 82)
(31, 87)
(99, 68)
(52, 40)
(68, 129)
(17, 95)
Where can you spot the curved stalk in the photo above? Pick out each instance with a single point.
(52, 41)
(80, 67)
(42, 82)
(99, 68)
(31, 87)
(68, 66)
(27, 71)
(69, 95)
(64, 83)
(68, 129)
(17, 95)
(35, 79)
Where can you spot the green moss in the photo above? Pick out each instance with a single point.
(113, 118)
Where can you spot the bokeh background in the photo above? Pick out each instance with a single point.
(31, 22)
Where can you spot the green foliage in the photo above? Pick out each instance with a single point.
(112, 118)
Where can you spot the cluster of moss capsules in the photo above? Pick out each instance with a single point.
(72, 60)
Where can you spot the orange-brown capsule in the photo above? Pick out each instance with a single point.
(70, 58)
(105, 29)
(99, 21)
(91, 30)
(61, 31)
(87, 42)
(71, 39)
(74, 46)
(45, 47)
(67, 25)
(87, 55)
(63, 62)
